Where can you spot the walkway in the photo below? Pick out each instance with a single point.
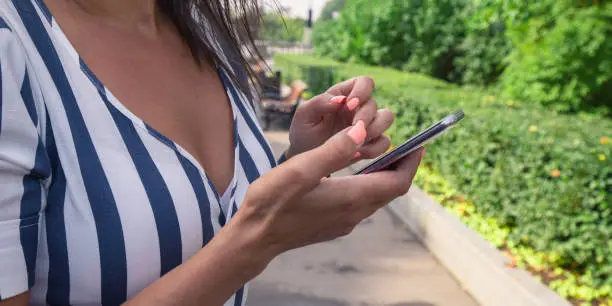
(380, 263)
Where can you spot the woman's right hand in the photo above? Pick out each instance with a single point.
(292, 206)
(295, 205)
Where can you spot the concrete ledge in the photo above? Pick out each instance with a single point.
(479, 267)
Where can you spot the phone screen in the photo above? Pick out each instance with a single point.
(385, 161)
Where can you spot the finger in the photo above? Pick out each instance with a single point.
(357, 90)
(366, 112)
(334, 154)
(410, 163)
(317, 107)
(362, 88)
(389, 184)
(406, 168)
(382, 121)
(351, 193)
(304, 172)
(343, 88)
(375, 147)
(361, 91)
(357, 197)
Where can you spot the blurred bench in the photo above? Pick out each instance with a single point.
(282, 106)
(270, 85)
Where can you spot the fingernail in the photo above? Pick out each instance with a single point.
(338, 99)
(423, 153)
(351, 105)
(357, 155)
(358, 132)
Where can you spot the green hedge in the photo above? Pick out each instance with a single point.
(278, 28)
(547, 177)
(554, 53)
(418, 36)
(569, 66)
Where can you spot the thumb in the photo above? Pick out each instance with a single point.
(320, 105)
(337, 152)
(304, 171)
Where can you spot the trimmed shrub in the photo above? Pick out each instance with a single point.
(567, 67)
(545, 176)
(420, 36)
(555, 53)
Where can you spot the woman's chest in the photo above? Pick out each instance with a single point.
(123, 192)
(128, 199)
(116, 162)
(157, 79)
(185, 102)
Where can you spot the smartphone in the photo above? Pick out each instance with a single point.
(386, 160)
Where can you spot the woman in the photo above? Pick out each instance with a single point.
(132, 169)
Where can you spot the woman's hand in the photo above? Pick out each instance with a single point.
(291, 206)
(295, 205)
(343, 105)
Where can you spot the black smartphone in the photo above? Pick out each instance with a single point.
(386, 160)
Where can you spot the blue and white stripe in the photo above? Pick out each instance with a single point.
(95, 204)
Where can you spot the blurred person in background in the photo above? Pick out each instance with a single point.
(132, 167)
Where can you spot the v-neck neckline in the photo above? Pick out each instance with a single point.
(59, 34)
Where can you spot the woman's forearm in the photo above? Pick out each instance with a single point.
(212, 275)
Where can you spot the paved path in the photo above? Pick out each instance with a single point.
(380, 263)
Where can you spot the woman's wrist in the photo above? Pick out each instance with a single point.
(288, 153)
(241, 241)
(285, 156)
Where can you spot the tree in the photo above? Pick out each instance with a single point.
(330, 7)
(275, 27)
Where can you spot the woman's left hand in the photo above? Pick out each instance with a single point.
(341, 106)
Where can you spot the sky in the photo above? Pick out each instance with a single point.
(299, 8)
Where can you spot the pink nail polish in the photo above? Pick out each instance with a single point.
(357, 155)
(358, 132)
(351, 105)
(338, 99)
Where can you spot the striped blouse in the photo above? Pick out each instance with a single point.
(95, 205)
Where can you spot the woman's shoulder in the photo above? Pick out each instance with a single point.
(12, 54)
(11, 14)
(12, 31)
(22, 20)
(18, 76)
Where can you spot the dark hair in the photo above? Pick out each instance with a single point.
(230, 22)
